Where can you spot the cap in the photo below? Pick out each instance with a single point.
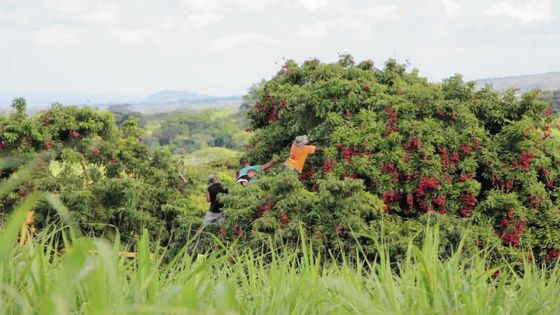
(301, 140)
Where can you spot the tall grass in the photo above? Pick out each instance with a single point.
(78, 275)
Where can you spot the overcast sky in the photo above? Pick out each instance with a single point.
(220, 47)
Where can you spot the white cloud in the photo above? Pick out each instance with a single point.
(104, 15)
(154, 39)
(378, 11)
(451, 7)
(314, 4)
(67, 6)
(362, 21)
(254, 4)
(530, 11)
(204, 5)
(130, 37)
(313, 31)
(236, 40)
(168, 24)
(55, 37)
(201, 20)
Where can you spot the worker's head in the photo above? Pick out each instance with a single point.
(301, 140)
(212, 179)
(243, 162)
(252, 173)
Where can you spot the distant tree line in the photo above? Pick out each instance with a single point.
(186, 132)
(552, 97)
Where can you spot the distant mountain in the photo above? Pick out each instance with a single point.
(544, 81)
(549, 83)
(160, 101)
(174, 96)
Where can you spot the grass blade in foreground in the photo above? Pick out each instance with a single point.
(89, 277)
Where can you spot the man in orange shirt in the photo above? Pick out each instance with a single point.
(298, 154)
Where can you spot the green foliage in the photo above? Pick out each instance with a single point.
(104, 174)
(186, 132)
(483, 158)
(123, 113)
(19, 105)
(92, 276)
(61, 271)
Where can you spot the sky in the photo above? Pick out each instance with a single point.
(221, 47)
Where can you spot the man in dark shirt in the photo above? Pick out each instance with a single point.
(214, 215)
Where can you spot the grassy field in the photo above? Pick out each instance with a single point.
(76, 275)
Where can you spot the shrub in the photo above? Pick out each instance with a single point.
(482, 158)
(107, 178)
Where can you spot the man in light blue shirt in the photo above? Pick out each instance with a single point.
(246, 166)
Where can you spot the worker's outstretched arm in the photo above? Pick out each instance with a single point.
(268, 165)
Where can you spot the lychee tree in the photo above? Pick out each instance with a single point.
(103, 174)
(485, 158)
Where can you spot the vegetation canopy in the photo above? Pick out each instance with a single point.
(106, 177)
(399, 149)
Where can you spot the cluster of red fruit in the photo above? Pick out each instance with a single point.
(340, 230)
(75, 134)
(426, 184)
(328, 166)
(439, 201)
(390, 197)
(390, 168)
(552, 254)
(222, 232)
(284, 218)
(347, 153)
(238, 230)
(535, 201)
(547, 131)
(22, 192)
(270, 108)
(465, 177)
(285, 69)
(446, 162)
(46, 121)
(524, 161)
(497, 181)
(413, 143)
(392, 122)
(470, 201)
(511, 230)
(28, 140)
(265, 207)
(548, 111)
(442, 115)
(549, 183)
(307, 175)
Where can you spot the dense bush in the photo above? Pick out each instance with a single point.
(478, 157)
(104, 174)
